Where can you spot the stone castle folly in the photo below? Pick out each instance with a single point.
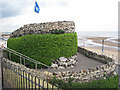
(44, 28)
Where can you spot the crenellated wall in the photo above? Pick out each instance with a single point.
(43, 28)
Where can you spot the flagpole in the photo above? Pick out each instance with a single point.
(34, 12)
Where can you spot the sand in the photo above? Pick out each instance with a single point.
(99, 40)
(108, 51)
(118, 40)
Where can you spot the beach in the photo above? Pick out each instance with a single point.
(94, 44)
(106, 41)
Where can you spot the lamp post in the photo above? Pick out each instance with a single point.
(103, 45)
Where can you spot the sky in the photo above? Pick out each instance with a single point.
(88, 15)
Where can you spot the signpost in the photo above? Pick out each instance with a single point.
(102, 46)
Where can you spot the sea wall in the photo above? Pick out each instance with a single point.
(63, 62)
(43, 28)
(99, 72)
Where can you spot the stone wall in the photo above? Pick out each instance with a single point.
(99, 72)
(63, 62)
(43, 28)
(16, 66)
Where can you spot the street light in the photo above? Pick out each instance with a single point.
(103, 45)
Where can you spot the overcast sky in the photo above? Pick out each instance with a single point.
(88, 15)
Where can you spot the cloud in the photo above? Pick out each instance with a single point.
(62, 3)
(87, 14)
(11, 8)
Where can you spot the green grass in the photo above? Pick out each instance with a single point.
(111, 82)
(44, 47)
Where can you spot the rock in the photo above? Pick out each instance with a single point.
(54, 66)
(63, 62)
(43, 28)
(61, 67)
(54, 73)
(63, 59)
(71, 59)
(72, 66)
(115, 73)
(66, 65)
(46, 72)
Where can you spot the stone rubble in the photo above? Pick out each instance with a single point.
(63, 62)
(44, 28)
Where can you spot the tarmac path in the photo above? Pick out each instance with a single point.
(83, 63)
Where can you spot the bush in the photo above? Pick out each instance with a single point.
(111, 82)
(58, 32)
(44, 47)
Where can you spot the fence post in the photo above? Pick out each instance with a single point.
(2, 71)
(20, 60)
(119, 75)
(1, 52)
(36, 65)
(9, 55)
(24, 61)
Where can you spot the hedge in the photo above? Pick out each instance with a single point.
(44, 47)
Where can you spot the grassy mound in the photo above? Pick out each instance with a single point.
(44, 47)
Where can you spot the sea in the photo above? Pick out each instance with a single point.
(113, 34)
(83, 35)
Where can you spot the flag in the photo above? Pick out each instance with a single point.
(37, 9)
(102, 49)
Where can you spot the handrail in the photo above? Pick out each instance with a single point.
(24, 56)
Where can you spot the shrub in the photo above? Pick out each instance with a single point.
(58, 32)
(44, 47)
(111, 82)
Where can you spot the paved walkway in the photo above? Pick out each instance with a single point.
(83, 63)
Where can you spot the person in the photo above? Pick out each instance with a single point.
(2, 46)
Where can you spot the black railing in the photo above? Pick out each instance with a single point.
(14, 77)
(23, 58)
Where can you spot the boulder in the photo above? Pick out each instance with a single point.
(63, 59)
(54, 66)
(61, 67)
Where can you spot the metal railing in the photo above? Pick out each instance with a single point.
(24, 57)
(14, 77)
